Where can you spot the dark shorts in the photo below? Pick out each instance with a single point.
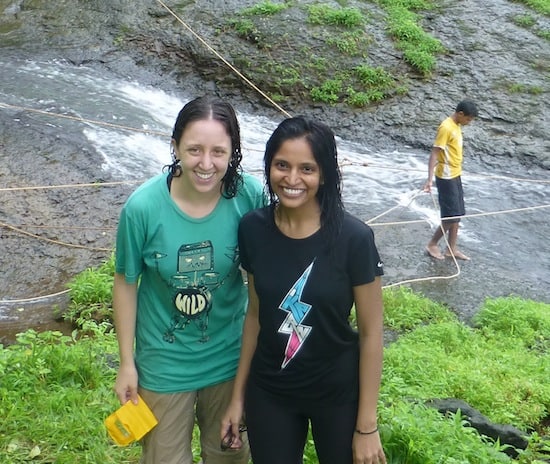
(451, 198)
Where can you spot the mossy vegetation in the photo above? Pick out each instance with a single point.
(288, 69)
(540, 6)
(344, 30)
(56, 390)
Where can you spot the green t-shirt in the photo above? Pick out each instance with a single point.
(191, 296)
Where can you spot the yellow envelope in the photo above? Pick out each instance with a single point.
(130, 422)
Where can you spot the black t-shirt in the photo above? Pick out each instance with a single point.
(306, 350)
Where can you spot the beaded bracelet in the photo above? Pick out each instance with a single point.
(366, 433)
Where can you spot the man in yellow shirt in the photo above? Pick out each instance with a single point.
(446, 164)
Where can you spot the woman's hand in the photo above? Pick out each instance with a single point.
(231, 427)
(126, 384)
(367, 449)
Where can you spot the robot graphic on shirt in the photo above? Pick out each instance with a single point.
(192, 286)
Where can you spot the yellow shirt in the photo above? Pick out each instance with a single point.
(449, 139)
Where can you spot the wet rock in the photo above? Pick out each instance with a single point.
(506, 434)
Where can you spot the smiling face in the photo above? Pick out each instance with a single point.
(204, 150)
(294, 175)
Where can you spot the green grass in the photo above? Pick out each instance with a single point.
(347, 30)
(513, 87)
(56, 390)
(341, 28)
(541, 6)
(350, 18)
(265, 8)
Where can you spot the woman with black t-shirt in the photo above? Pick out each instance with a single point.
(308, 263)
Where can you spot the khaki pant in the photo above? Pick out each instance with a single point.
(170, 441)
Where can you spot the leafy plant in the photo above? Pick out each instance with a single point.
(542, 6)
(348, 42)
(405, 310)
(524, 20)
(265, 8)
(524, 321)
(328, 92)
(327, 15)
(450, 360)
(419, 48)
(91, 296)
(56, 390)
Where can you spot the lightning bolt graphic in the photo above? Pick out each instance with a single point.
(297, 311)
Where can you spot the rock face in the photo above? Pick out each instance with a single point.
(491, 60)
(506, 434)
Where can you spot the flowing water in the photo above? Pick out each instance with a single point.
(509, 250)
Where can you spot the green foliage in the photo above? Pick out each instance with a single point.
(519, 87)
(530, 22)
(415, 434)
(419, 48)
(91, 296)
(349, 42)
(519, 320)
(344, 28)
(449, 360)
(327, 15)
(408, 4)
(55, 392)
(265, 8)
(405, 310)
(524, 20)
(328, 92)
(93, 285)
(420, 59)
(374, 77)
(541, 6)
(246, 30)
(362, 99)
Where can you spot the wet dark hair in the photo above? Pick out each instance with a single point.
(204, 108)
(323, 146)
(467, 107)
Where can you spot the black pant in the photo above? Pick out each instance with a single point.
(277, 432)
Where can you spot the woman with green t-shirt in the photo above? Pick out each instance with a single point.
(179, 299)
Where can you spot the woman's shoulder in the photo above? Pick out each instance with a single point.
(251, 190)
(256, 219)
(148, 192)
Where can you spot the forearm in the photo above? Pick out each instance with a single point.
(369, 307)
(249, 341)
(124, 313)
(370, 373)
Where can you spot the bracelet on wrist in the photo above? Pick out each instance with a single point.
(366, 433)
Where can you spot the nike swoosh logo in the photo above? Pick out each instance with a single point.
(380, 264)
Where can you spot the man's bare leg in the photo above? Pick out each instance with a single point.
(433, 248)
(453, 238)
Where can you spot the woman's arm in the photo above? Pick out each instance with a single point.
(233, 415)
(125, 309)
(367, 447)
